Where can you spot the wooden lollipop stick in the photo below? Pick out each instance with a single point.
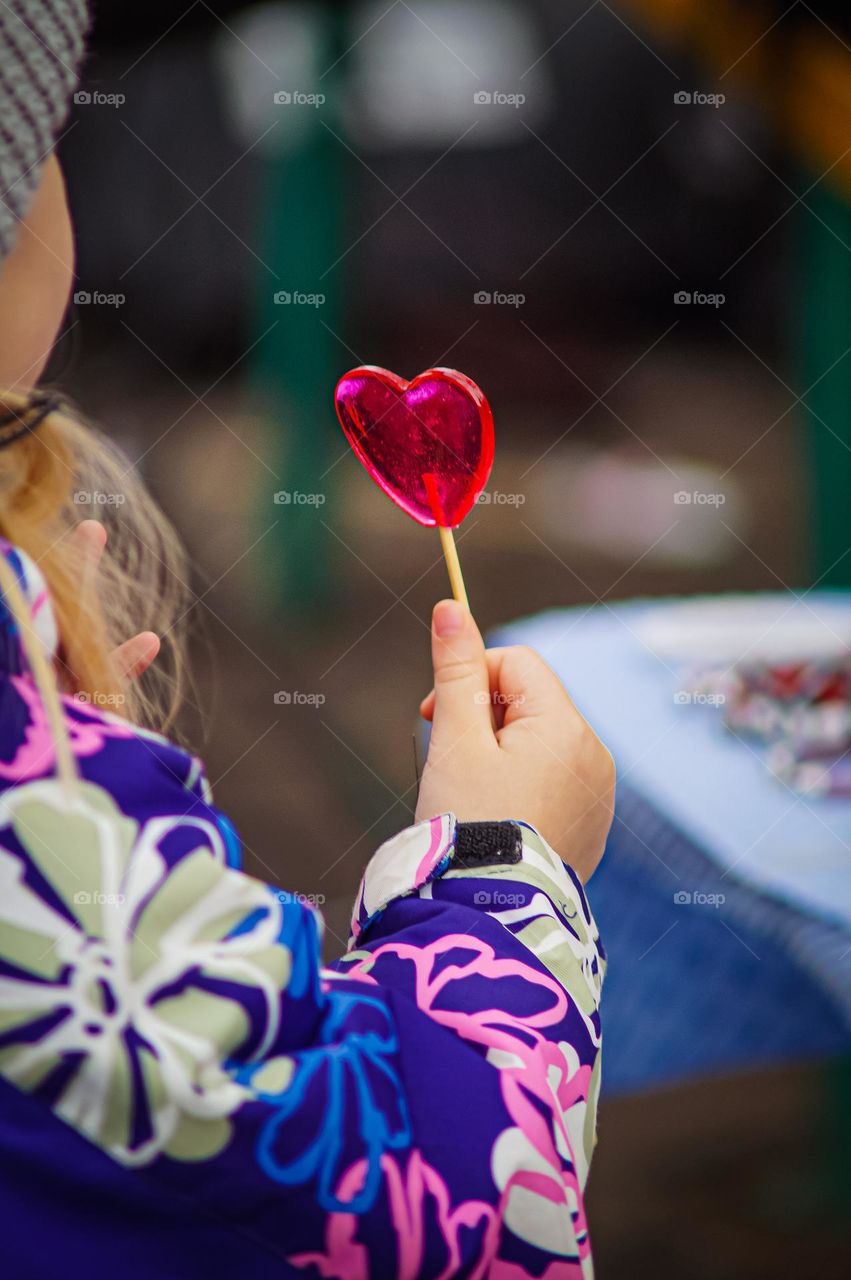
(450, 555)
(447, 541)
(453, 564)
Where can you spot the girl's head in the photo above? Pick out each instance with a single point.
(41, 47)
(49, 477)
(36, 277)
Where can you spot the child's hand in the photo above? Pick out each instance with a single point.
(541, 763)
(134, 656)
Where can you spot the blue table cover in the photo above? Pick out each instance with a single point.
(696, 984)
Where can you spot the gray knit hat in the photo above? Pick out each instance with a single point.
(41, 47)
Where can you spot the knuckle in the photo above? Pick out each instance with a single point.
(526, 667)
(453, 671)
(608, 767)
(603, 769)
(594, 761)
(528, 656)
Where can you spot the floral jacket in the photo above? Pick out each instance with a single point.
(186, 1091)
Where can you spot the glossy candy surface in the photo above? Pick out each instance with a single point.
(428, 443)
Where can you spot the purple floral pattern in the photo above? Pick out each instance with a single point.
(424, 1108)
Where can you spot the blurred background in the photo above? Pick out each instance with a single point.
(630, 223)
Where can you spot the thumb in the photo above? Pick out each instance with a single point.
(461, 681)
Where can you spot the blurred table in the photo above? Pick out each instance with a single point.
(695, 984)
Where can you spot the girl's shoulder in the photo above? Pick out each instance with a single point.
(148, 776)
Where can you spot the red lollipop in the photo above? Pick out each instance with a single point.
(427, 443)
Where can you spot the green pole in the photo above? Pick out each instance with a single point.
(298, 361)
(825, 335)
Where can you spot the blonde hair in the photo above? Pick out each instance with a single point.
(50, 480)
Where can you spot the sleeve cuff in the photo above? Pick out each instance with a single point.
(424, 852)
(403, 865)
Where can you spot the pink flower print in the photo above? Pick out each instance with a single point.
(417, 1196)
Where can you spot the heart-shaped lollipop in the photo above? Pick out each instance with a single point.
(428, 443)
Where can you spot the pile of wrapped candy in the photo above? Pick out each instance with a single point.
(800, 710)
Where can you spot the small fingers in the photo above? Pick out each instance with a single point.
(89, 540)
(525, 685)
(90, 537)
(492, 662)
(133, 658)
(427, 706)
(521, 684)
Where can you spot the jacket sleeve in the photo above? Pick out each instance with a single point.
(424, 1108)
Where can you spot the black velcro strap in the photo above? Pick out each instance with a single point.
(487, 844)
